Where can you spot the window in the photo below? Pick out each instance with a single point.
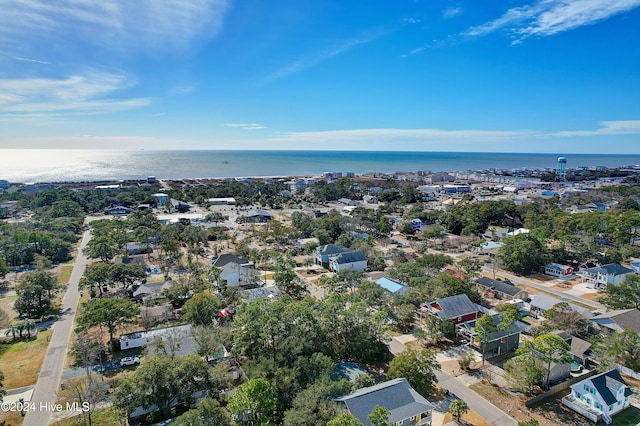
(412, 418)
(611, 406)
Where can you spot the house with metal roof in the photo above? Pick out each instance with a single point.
(599, 397)
(504, 290)
(322, 254)
(407, 407)
(457, 309)
(392, 286)
(558, 270)
(543, 302)
(601, 276)
(352, 260)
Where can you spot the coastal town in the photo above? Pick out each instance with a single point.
(487, 297)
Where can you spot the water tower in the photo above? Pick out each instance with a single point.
(562, 165)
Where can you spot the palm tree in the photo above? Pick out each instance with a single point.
(458, 408)
(13, 330)
(29, 326)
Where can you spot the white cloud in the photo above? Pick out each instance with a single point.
(608, 128)
(451, 12)
(316, 58)
(89, 93)
(246, 126)
(37, 61)
(548, 17)
(114, 24)
(433, 138)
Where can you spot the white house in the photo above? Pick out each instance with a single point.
(599, 397)
(600, 276)
(351, 260)
(141, 338)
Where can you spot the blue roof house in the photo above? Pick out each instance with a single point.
(392, 286)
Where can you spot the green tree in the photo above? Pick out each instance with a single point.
(208, 413)
(202, 308)
(32, 301)
(314, 406)
(126, 274)
(379, 416)
(4, 269)
(96, 275)
(458, 408)
(256, 400)
(110, 313)
(163, 381)
(417, 367)
(44, 279)
(623, 296)
(624, 348)
(484, 329)
(524, 371)
(101, 247)
(345, 419)
(522, 254)
(551, 348)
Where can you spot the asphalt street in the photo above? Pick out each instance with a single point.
(45, 392)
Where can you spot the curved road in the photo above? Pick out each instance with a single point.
(45, 392)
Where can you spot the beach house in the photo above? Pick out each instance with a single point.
(599, 397)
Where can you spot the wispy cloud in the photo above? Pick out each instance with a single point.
(37, 61)
(548, 17)
(114, 24)
(339, 139)
(313, 59)
(451, 12)
(89, 93)
(246, 126)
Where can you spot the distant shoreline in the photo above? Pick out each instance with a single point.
(65, 166)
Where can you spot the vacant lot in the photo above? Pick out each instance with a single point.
(21, 361)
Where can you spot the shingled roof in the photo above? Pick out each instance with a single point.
(500, 286)
(395, 395)
(606, 382)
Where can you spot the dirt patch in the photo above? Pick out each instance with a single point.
(550, 412)
(562, 286)
(541, 278)
(591, 296)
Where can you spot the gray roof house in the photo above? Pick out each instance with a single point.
(619, 320)
(322, 254)
(542, 302)
(350, 260)
(504, 290)
(407, 406)
(458, 309)
(601, 276)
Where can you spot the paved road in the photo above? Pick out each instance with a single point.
(51, 372)
(562, 294)
(477, 403)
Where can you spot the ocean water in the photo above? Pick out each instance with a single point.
(50, 165)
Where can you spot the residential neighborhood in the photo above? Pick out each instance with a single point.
(354, 300)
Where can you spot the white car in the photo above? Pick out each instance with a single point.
(129, 360)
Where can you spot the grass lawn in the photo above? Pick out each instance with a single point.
(103, 416)
(65, 274)
(21, 361)
(630, 416)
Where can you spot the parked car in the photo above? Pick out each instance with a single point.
(129, 360)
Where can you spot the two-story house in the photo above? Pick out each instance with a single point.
(458, 309)
(599, 397)
(601, 276)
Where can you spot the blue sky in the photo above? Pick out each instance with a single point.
(425, 75)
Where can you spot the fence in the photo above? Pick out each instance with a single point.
(558, 388)
(627, 371)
